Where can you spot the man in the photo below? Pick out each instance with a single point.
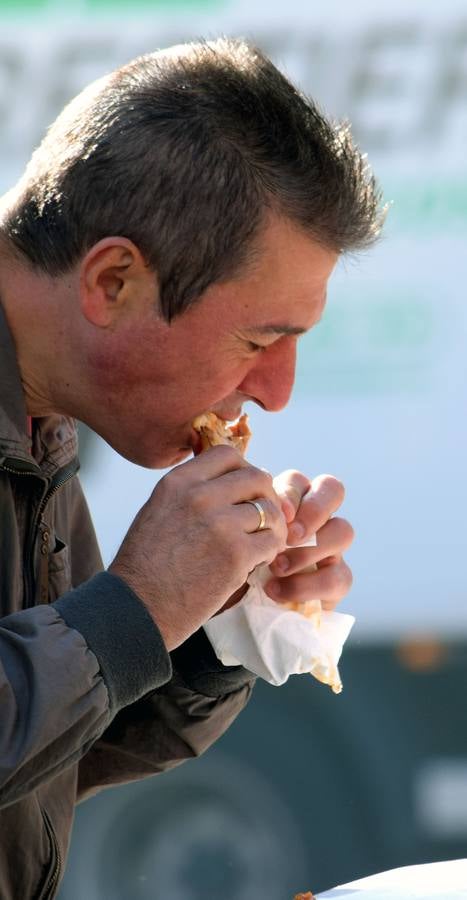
(171, 239)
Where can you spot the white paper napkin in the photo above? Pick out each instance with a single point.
(275, 642)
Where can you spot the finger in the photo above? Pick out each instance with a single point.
(232, 489)
(260, 546)
(265, 544)
(247, 483)
(219, 484)
(246, 517)
(210, 464)
(291, 486)
(317, 506)
(333, 538)
(329, 583)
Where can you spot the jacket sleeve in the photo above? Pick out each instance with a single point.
(65, 672)
(88, 678)
(176, 722)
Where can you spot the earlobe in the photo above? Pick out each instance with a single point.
(108, 273)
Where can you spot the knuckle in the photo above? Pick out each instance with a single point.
(166, 487)
(197, 497)
(260, 479)
(335, 579)
(332, 486)
(343, 579)
(166, 481)
(283, 479)
(268, 547)
(337, 487)
(174, 483)
(275, 519)
(294, 495)
(292, 477)
(292, 483)
(228, 452)
(344, 533)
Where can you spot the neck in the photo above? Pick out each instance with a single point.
(31, 301)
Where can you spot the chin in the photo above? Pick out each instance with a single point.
(149, 459)
(180, 456)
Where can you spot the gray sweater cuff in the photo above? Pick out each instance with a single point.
(201, 670)
(122, 635)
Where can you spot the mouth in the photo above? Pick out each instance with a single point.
(196, 444)
(230, 418)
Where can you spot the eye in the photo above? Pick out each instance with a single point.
(256, 348)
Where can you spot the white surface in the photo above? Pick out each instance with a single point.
(444, 880)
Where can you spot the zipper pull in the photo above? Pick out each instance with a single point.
(44, 562)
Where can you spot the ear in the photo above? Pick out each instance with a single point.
(114, 278)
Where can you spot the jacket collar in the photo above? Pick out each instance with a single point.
(54, 443)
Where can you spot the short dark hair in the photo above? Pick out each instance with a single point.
(183, 151)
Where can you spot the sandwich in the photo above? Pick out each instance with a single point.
(214, 431)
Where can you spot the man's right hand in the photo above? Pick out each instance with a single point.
(194, 542)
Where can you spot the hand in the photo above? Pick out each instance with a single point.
(194, 542)
(319, 572)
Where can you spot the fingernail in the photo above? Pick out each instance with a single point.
(282, 563)
(297, 531)
(273, 588)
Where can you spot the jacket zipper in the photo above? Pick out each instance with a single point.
(62, 477)
(39, 525)
(54, 877)
(23, 470)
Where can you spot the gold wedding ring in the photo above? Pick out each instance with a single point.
(261, 513)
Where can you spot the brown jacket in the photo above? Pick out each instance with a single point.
(89, 696)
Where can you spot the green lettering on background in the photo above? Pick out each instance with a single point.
(106, 5)
(155, 4)
(22, 5)
(370, 345)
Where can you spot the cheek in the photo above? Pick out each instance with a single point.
(213, 379)
(166, 387)
(115, 363)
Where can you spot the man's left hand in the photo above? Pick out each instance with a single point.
(308, 573)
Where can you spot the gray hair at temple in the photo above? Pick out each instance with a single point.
(184, 152)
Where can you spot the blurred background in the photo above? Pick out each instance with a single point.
(308, 789)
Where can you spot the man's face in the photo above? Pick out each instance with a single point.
(237, 343)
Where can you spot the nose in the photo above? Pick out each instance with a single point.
(270, 381)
